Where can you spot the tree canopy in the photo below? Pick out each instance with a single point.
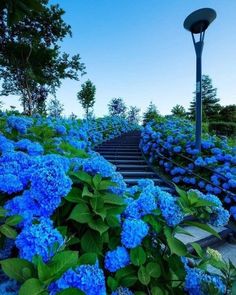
(117, 107)
(30, 56)
(86, 96)
(210, 105)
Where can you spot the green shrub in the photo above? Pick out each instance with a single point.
(223, 128)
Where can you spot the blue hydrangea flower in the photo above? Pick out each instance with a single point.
(116, 259)
(32, 148)
(21, 124)
(9, 287)
(170, 210)
(197, 282)
(60, 129)
(219, 215)
(38, 239)
(10, 184)
(133, 232)
(49, 183)
(122, 291)
(87, 278)
(6, 250)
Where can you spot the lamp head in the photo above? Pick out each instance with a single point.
(199, 20)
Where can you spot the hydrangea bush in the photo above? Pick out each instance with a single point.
(212, 172)
(70, 226)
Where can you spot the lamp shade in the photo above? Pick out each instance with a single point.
(199, 20)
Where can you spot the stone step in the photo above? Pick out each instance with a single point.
(118, 149)
(128, 162)
(121, 157)
(121, 167)
(202, 237)
(118, 153)
(137, 174)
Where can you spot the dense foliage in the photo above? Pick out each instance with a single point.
(69, 225)
(170, 144)
(30, 55)
(86, 96)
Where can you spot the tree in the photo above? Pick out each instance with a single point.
(151, 113)
(86, 96)
(210, 105)
(17, 9)
(178, 111)
(117, 107)
(55, 108)
(228, 113)
(30, 56)
(133, 115)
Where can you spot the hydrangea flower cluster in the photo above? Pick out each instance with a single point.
(39, 239)
(87, 278)
(9, 287)
(122, 291)
(198, 282)
(21, 124)
(173, 137)
(219, 215)
(133, 232)
(116, 259)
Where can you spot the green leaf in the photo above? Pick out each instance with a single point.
(138, 256)
(198, 249)
(105, 184)
(81, 214)
(175, 245)
(96, 180)
(113, 221)
(113, 199)
(203, 226)
(153, 269)
(88, 258)
(143, 276)
(86, 192)
(13, 220)
(92, 242)
(98, 225)
(156, 225)
(97, 203)
(71, 291)
(61, 262)
(157, 291)
(15, 268)
(32, 287)
(2, 212)
(129, 281)
(8, 231)
(112, 283)
(84, 177)
(198, 202)
(181, 230)
(74, 195)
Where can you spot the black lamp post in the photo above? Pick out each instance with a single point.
(197, 23)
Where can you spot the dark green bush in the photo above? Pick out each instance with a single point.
(223, 128)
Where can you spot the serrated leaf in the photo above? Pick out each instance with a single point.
(8, 231)
(91, 241)
(74, 195)
(88, 258)
(176, 246)
(153, 269)
(98, 225)
(137, 256)
(13, 268)
(81, 214)
(32, 287)
(13, 220)
(143, 276)
(113, 199)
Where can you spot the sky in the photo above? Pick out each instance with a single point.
(139, 50)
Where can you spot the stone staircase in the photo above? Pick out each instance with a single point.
(124, 153)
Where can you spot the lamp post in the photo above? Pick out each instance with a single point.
(197, 23)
